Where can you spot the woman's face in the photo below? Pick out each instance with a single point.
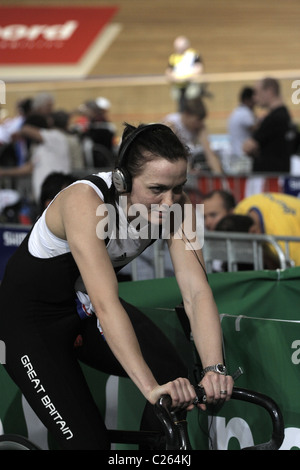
(158, 187)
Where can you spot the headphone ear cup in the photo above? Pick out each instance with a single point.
(121, 180)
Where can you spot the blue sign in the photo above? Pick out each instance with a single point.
(11, 236)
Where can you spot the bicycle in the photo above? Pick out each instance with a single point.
(175, 435)
(176, 429)
(16, 442)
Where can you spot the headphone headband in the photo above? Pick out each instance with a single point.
(121, 177)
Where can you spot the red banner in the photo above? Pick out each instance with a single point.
(49, 35)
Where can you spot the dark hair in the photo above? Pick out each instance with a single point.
(234, 223)
(195, 107)
(60, 119)
(226, 196)
(37, 120)
(52, 184)
(246, 94)
(151, 143)
(25, 106)
(160, 142)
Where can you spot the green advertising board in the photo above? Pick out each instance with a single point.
(260, 314)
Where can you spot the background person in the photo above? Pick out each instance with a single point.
(274, 214)
(97, 133)
(217, 204)
(184, 66)
(189, 125)
(271, 144)
(240, 224)
(52, 185)
(49, 151)
(241, 121)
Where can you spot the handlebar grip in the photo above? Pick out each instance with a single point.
(166, 416)
(274, 412)
(201, 397)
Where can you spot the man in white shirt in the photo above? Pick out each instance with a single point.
(241, 121)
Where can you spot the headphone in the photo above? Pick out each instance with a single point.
(121, 177)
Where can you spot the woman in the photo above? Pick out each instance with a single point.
(39, 321)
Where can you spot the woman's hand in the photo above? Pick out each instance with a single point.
(217, 388)
(180, 390)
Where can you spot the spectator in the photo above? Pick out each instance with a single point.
(189, 126)
(13, 124)
(43, 103)
(184, 66)
(52, 185)
(217, 204)
(60, 120)
(235, 223)
(50, 152)
(271, 144)
(241, 121)
(99, 134)
(274, 214)
(14, 153)
(243, 224)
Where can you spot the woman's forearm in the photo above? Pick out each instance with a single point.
(206, 329)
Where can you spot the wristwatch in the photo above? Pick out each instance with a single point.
(218, 368)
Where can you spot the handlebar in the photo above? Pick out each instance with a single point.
(274, 412)
(176, 427)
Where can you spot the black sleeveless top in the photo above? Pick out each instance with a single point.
(37, 285)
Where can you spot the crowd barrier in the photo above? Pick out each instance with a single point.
(235, 248)
(259, 313)
(155, 262)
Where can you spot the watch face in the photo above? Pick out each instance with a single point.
(221, 368)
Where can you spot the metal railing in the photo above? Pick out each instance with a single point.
(235, 248)
(231, 248)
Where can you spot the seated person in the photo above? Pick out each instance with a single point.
(245, 224)
(217, 204)
(274, 214)
(235, 223)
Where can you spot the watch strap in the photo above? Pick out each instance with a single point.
(218, 368)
